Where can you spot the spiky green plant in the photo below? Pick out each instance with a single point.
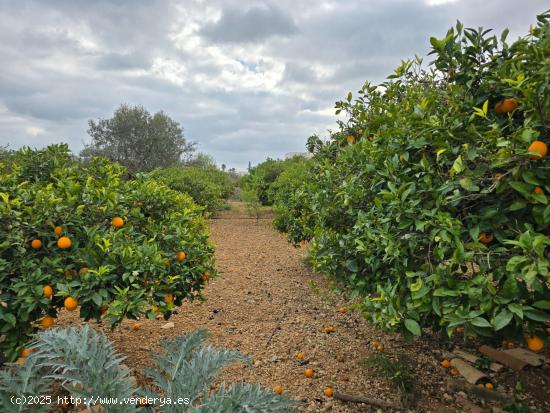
(86, 364)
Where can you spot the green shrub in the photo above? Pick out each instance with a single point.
(87, 366)
(427, 202)
(112, 272)
(208, 187)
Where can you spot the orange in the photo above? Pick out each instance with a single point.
(117, 222)
(166, 262)
(446, 363)
(454, 372)
(21, 361)
(498, 175)
(47, 322)
(205, 277)
(540, 147)
(328, 329)
(136, 326)
(498, 108)
(328, 392)
(351, 139)
(538, 190)
(459, 330)
(83, 271)
(278, 389)
(342, 309)
(25, 352)
(169, 298)
(64, 243)
(380, 347)
(180, 256)
(486, 238)
(36, 244)
(47, 291)
(309, 373)
(70, 303)
(489, 386)
(509, 105)
(535, 343)
(401, 158)
(300, 356)
(58, 230)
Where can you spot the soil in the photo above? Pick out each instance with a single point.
(267, 304)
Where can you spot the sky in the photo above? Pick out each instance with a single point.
(246, 80)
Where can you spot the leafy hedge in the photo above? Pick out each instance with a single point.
(59, 238)
(431, 200)
(208, 187)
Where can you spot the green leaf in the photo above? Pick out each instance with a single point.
(542, 304)
(413, 326)
(480, 322)
(457, 166)
(537, 315)
(516, 309)
(502, 319)
(468, 184)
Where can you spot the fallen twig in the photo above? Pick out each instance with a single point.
(367, 400)
(277, 327)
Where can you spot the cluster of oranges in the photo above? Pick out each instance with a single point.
(71, 303)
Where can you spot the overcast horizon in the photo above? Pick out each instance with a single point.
(246, 80)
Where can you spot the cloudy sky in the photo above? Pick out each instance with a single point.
(246, 79)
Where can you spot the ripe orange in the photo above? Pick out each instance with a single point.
(309, 373)
(535, 343)
(328, 392)
(47, 322)
(136, 326)
(300, 356)
(25, 352)
(36, 244)
(205, 277)
(351, 139)
(342, 309)
(454, 372)
(540, 147)
(328, 329)
(380, 347)
(446, 363)
(498, 108)
(489, 386)
(538, 190)
(64, 243)
(180, 256)
(21, 361)
(117, 222)
(278, 389)
(58, 230)
(47, 291)
(486, 238)
(509, 105)
(70, 303)
(169, 298)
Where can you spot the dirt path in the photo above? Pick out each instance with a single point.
(268, 305)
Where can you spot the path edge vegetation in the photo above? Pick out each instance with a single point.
(430, 200)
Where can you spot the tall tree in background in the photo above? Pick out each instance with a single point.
(138, 140)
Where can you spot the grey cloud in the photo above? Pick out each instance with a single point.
(250, 25)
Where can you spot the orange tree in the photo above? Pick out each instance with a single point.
(431, 200)
(84, 236)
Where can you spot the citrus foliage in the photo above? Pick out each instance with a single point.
(208, 187)
(108, 245)
(431, 200)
